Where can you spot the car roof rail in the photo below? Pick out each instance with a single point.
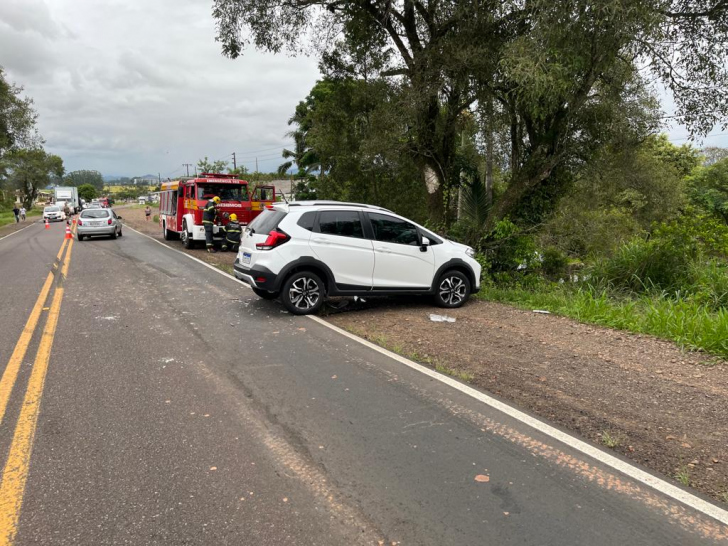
(335, 204)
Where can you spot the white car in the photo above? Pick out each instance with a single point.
(53, 213)
(304, 251)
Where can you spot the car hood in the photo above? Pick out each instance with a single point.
(458, 246)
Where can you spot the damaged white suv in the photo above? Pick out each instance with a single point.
(305, 251)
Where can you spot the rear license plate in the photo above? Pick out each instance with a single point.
(96, 223)
(246, 258)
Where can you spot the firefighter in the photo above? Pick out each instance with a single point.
(209, 215)
(233, 232)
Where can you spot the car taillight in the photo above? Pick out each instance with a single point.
(275, 238)
(109, 221)
(80, 223)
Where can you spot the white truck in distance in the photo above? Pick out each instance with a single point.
(68, 194)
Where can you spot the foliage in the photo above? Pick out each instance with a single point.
(81, 177)
(684, 321)
(708, 188)
(29, 170)
(563, 74)
(87, 192)
(17, 118)
(207, 166)
(713, 154)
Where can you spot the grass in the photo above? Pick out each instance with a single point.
(611, 439)
(9, 218)
(683, 475)
(689, 324)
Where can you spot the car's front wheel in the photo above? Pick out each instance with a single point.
(303, 293)
(453, 289)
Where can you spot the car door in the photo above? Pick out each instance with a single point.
(399, 260)
(338, 241)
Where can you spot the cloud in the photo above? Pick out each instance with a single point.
(134, 87)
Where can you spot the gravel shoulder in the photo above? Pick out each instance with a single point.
(641, 396)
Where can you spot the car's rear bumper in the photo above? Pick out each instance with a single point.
(105, 230)
(257, 277)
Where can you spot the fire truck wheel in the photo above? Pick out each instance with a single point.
(265, 294)
(303, 293)
(187, 241)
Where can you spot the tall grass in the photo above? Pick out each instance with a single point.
(689, 323)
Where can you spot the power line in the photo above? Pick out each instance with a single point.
(253, 152)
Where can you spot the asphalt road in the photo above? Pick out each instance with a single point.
(180, 409)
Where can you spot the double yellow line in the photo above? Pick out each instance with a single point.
(15, 473)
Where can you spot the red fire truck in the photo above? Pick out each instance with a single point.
(181, 203)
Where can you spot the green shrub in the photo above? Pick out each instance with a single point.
(554, 263)
(155, 218)
(711, 284)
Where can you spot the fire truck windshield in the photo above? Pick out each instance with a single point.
(226, 192)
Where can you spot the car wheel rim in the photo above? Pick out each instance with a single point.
(304, 293)
(452, 290)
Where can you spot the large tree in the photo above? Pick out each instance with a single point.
(546, 64)
(82, 177)
(29, 170)
(17, 117)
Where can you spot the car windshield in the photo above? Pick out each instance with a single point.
(226, 192)
(97, 213)
(52, 209)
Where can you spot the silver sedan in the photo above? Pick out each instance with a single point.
(93, 222)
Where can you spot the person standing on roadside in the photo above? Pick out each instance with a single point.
(148, 213)
(22, 213)
(16, 212)
(209, 215)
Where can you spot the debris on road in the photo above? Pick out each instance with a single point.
(441, 318)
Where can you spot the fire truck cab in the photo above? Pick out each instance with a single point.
(181, 203)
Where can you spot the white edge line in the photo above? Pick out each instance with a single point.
(18, 231)
(628, 469)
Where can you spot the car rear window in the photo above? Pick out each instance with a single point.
(95, 213)
(267, 221)
(307, 220)
(52, 209)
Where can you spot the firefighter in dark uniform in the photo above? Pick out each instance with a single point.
(209, 215)
(233, 232)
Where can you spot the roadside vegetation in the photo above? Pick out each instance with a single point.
(531, 134)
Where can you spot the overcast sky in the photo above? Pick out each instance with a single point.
(140, 87)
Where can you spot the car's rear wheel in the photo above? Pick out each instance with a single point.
(303, 293)
(80, 237)
(187, 240)
(114, 235)
(453, 289)
(265, 294)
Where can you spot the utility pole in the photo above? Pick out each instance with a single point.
(235, 163)
(188, 165)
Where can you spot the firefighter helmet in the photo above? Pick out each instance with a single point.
(216, 199)
(233, 217)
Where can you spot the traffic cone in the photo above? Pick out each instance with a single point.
(69, 235)
(47, 225)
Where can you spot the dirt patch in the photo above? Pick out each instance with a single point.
(134, 217)
(641, 396)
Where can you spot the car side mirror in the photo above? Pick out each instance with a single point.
(424, 244)
(118, 217)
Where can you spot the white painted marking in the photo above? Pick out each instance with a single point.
(14, 232)
(606, 459)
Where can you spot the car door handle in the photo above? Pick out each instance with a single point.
(383, 249)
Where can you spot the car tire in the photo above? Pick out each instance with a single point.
(452, 289)
(120, 233)
(114, 235)
(187, 241)
(265, 294)
(80, 237)
(303, 293)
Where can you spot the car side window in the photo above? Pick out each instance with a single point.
(388, 229)
(307, 220)
(344, 223)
